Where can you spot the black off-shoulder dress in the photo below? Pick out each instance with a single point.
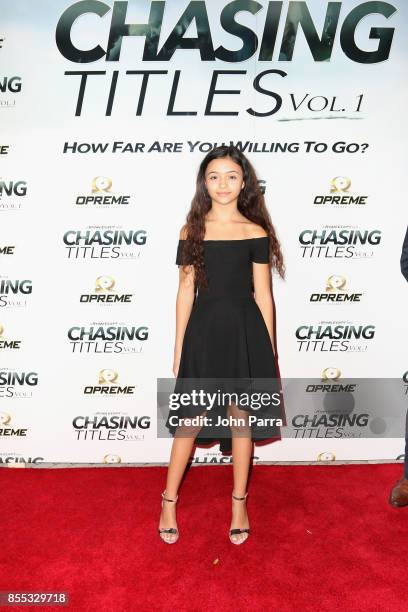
(226, 344)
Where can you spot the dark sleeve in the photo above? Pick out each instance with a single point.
(404, 257)
(180, 252)
(260, 250)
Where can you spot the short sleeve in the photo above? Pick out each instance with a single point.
(180, 252)
(260, 250)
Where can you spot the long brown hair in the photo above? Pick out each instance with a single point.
(251, 204)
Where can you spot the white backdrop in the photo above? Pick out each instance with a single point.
(36, 123)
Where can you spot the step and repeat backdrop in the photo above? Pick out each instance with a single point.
(106, 109)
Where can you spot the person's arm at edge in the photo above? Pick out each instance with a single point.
(404, 257)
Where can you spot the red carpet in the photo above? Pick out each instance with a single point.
(323, 539)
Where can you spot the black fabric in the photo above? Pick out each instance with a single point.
(258, 248)
(226, 338)
(406, 449)
(404, 256)
(404, 270)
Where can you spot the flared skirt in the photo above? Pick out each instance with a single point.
(227, 355)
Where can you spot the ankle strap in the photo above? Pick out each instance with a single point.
(168, 500)
(240, 498)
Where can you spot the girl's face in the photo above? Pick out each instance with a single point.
(224, 180)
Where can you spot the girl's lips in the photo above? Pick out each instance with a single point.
(222, 193)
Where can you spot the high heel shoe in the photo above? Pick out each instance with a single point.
(171, 530)
(237, 531)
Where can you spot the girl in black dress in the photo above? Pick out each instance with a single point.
(224, 321)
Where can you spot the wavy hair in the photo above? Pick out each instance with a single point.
(251, 203)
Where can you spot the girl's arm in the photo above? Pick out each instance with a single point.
(263, 297)
(184, 304)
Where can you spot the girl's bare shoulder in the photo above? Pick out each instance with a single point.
(256, 231)
(183, 232)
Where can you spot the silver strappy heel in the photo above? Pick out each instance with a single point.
(171, 530)
(237, 531)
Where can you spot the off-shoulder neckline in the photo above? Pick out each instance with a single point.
(230, 239)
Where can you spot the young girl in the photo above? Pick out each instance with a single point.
(223, 331)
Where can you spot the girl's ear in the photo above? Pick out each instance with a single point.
(243, 185)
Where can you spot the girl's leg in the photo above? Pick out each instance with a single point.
(241, 458)
(180, 453)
